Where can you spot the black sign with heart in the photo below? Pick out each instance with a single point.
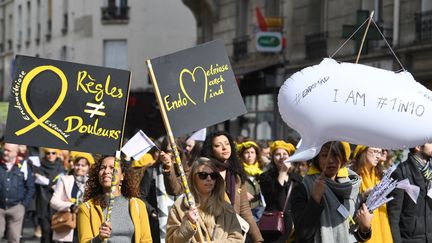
(197, 87)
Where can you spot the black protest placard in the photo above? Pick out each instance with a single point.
(67, 105)
(197, 87)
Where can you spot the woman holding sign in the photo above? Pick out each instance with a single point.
(129, 215)
(326, 206)
(214, 216)
(366, 164)
(220, 146)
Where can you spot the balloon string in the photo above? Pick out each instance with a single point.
(388, 45)
(349, 38)
(382, 35)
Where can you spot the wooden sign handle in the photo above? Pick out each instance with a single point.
(171, 140)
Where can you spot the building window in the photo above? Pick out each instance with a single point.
(115, 54)
(115, 10)
(64, 29)
(242, 17)
(2, 34)
(259, 120)
(38, 22)
(272, 8)
(63, 53)
(20, 27)
(423, 22)
(316, 45)
(240, 43)
(28, 24)
(2, 84)
(49, 21)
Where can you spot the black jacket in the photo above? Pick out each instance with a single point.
(275, 195)
(44, 193)
(410, 222)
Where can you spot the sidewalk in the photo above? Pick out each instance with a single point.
(28, 232)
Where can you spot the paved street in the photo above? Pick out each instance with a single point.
(27, 234)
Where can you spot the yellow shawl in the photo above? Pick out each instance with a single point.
(253, 169)
(342, 172)
(380, 223)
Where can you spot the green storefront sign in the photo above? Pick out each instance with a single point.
(268, 41)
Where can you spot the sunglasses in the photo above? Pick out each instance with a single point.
(204, 175)
(51, 153)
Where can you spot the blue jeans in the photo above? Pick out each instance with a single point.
(257, 213)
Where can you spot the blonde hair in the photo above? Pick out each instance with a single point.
(216, 202)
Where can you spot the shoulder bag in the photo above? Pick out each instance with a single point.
(272, 221)
(63, 221)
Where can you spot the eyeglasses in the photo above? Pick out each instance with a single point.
(204, 175)
(376, 151)
(48, 153)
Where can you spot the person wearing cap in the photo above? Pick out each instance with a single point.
(412, 221)
(249, 154)
(275, 184)
(366, 164)
(46, 175)
(326, 205)
(69, 192)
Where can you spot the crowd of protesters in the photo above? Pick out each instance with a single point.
(235, 183)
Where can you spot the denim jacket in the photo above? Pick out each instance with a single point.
(14, 187)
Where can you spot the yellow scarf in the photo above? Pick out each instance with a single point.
(380, 223)
(343, 172)
(252, 169)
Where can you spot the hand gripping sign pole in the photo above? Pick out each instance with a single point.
(185, 185)
(115, 180)
(114, 184)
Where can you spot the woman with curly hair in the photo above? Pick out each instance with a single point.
(130, 222)
(215, 217)
(220, 146)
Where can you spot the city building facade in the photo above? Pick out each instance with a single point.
(269, 40)
(112, 33)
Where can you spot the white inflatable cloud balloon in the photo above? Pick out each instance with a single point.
(355, 103)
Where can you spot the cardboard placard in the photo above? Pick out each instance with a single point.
(197, 87)
(67, 105)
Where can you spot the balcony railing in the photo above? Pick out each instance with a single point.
(240, 47)
(115, 13)
(423, 25)
(377, 42)
(316, 45)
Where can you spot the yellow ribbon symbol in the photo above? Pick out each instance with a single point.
(40, 121)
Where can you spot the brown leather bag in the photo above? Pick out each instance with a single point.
(273, 221)
(63, 221)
